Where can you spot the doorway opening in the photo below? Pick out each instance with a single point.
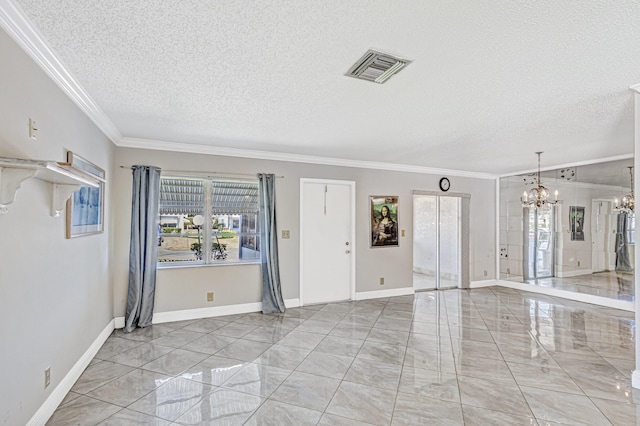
(539, 243)
(603, 229)
(438, 248)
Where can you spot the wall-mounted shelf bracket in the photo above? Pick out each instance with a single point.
(65, 180)
(61, 194)
(10, 181)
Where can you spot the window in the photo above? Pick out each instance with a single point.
(207, 221)
(631, 229)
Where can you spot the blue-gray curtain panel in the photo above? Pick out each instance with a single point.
(271, 289)
(143, 248)
(623, 261)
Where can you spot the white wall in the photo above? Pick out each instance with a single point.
(55, 294)
(185, 288)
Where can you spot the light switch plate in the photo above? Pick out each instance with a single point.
(33, 130)
(286, 234)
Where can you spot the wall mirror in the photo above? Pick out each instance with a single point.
(583, 243)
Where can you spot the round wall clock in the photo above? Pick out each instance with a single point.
(445, 184)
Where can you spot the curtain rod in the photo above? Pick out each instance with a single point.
(199, 172)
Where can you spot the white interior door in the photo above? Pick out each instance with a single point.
(327, 236)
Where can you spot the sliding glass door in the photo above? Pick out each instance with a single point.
(539, 244)
(436, 242)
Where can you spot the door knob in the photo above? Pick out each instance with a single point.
(347, 243)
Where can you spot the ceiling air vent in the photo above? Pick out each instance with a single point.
(377, 67)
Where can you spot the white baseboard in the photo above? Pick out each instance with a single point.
(482, 283)
(635, 379)
(215, 311)
(119, 322)
(580, 297)
(47, 409)
(364, 295)
(292, 303)
(576, 273)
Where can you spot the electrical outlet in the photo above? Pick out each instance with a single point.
(403, 234)
(286, 234)
(33, 130)
(210, 296)
(486, 273)
(381, 280)
(47, 377)
(508, 270)
(578, 263)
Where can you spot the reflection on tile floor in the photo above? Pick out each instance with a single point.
(490, 356)
(610, 284)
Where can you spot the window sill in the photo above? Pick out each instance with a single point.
(181, 265)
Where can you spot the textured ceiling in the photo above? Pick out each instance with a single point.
(491, 82)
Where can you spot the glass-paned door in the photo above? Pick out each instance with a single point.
(539, 244)
(436, 242)
(449, 240)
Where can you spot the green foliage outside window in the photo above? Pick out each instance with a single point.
(218, 250)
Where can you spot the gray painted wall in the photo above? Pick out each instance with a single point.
(58, 295)
(185, 288)
(55, 294)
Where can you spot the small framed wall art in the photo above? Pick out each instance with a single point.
(85, 207)
(576, 221)
(384, 220)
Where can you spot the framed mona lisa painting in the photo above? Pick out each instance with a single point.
(384, 220)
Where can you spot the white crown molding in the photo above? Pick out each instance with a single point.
(294, 158)
(574, 164)
(587, 185)
(570, 183)
(15, 22)
(635, 88)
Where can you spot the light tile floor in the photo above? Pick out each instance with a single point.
(609, 284)
(490, 356)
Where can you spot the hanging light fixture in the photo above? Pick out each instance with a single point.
(538, 197)
(627, 204)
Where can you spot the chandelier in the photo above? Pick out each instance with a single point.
(538, 197)
(627, 203)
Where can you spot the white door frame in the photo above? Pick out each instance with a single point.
(352, 187)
